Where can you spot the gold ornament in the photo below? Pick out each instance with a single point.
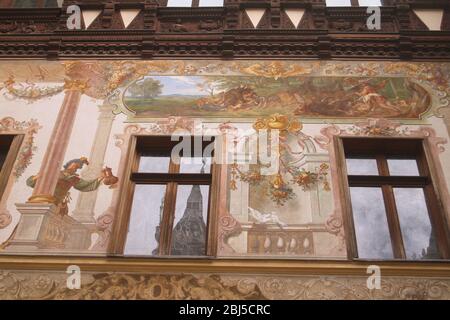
(79, 85)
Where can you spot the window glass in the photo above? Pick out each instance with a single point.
(179, 3)
(146, 215)
(418, 235)
(370, 3)
(403, 167)
(189, 228)
(195, 165)
(369, 215)
(338, 3)
(363, 167)
(211, 3)
(152, 163)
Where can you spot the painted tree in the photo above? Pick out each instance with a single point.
(148, 88)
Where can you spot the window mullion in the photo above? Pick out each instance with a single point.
(165, 237)
(393, 222)
(391, 211)
(174, 167)
(383, 168)
(170, 198)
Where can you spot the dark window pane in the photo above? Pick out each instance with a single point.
(403, 167)
(154, 164)
(146, 214)
(2, 159)
(189, 232)
(369, 215)
(5, 145)
(195, 165)
(418, 236)
(363, 167)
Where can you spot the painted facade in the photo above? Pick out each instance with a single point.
(78, 116)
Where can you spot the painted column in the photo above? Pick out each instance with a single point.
(84, 211)
(59, 140)
(39, 227)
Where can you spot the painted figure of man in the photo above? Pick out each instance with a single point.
(69, 178)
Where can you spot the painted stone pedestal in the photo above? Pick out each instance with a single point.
(41, 228)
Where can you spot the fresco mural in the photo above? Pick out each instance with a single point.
(241, 96)
(69, 178)
(83, 113)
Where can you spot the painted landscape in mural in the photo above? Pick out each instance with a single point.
(246, 96)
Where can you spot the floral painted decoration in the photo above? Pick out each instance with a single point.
(275, 186)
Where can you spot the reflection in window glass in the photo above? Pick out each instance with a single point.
(338, 3)
(369, 215)
(369, 3)
(146, 215)
(195, 165)
(403, 167)
(191, 211)
(363, 167)
(179, 3)
(154, 164)
(418, 235)
(211, 3)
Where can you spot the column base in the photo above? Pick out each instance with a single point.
(84, 217)
(41, 228)
(44, 198)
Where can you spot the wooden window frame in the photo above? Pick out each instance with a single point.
(139, 143)
(381, 149)
(8, 165)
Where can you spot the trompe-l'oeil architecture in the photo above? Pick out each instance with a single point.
(224, 149)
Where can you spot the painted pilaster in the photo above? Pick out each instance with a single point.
(59, 140)
(84, 211)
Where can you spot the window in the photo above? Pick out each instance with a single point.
(395, 211)
(195, 3)
(9, 148)
(170, 211)
(31, 3)
(338, 3)
(5, 145)
(211, 3)
(179, 3)
(370, 3)
(353, 3)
